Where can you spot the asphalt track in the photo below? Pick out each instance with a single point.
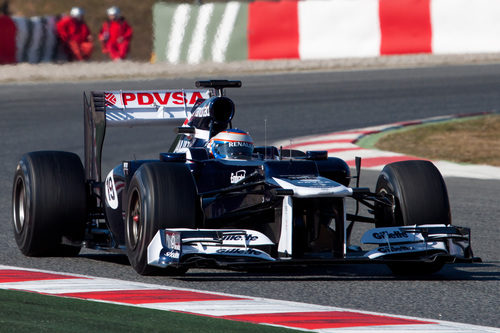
(273, 107)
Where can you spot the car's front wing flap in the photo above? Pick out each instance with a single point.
(394, 242)
(243, 248)
(172, 246)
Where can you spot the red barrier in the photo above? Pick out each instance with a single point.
(273, 30)
(7, 40)
(405, 26)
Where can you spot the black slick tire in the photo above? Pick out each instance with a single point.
(419, 196)
(160, 195)
(49, 203)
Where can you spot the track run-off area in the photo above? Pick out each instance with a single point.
(49, 116)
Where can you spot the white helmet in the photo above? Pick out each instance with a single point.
(113, 11)
(77, 12)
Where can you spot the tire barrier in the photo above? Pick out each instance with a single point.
(36, 39)
(317, 29)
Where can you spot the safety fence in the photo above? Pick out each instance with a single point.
(319, 29)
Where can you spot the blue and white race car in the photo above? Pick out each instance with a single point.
(216, 200)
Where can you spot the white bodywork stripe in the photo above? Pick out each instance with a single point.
(319, 187)
(285, 242)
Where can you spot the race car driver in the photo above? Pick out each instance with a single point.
(231, 144)
(75, 36)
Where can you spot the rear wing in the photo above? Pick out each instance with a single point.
(131, 108)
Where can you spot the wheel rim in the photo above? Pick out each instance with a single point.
(386, 193)
(19, 207)
(134, 220)
(386, 214)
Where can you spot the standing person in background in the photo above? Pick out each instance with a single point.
(75, 35)
(7, 36)
(115, 35)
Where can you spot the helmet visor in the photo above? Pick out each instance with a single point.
(236, 150)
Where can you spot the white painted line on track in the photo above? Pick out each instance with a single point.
(71, 286)
(306, 317)
(238, 307)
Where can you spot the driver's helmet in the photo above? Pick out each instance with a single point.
(232, 143)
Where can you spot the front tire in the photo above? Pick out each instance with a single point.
(161, 195)
(419, 196)
(49, 203)
(418, 193)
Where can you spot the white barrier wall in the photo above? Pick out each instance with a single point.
(465, 26)
(338, 29)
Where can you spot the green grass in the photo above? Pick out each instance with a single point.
(32, 312)
(474, 140)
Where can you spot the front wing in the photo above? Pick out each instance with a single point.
(243, 248)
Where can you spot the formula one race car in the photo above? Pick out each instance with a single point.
(215, 200)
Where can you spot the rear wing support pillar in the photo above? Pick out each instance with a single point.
(94, 133)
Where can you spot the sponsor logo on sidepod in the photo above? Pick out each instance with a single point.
(390, 235)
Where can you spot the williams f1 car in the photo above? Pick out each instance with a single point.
(215, 200)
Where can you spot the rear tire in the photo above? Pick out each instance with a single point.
(49, 203)
(161, 195)
(419, 196)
